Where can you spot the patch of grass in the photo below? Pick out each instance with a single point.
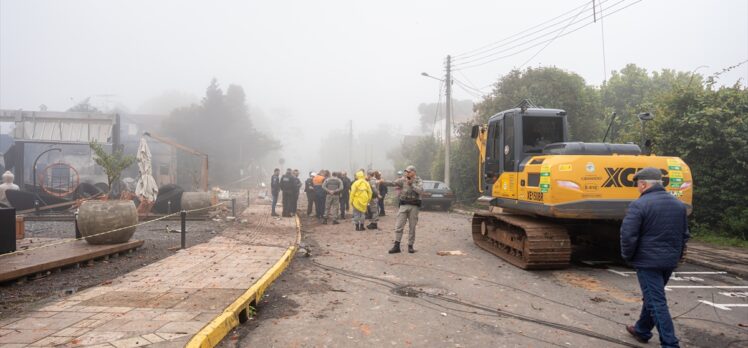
(719, 240)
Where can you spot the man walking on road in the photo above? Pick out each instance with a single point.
(332, 186)
(653, 238)
(411, 188)
(275, 189)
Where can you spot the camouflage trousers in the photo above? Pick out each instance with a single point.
(374, 209)
(407, 213)
(332, 207)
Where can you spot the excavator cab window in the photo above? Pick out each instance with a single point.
(508, 151)
(539, 131)
(492, 165)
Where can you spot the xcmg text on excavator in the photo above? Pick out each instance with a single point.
(546, 194)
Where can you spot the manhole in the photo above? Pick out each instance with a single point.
(418, 291)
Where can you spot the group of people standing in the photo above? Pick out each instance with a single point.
(330, 195)
(289, 184)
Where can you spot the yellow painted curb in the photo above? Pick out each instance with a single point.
(212, 334)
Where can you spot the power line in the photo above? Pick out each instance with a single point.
(469, 90)
(531, 37)
(602, 36)
(554, 38)
(542, 42)
(481, 49)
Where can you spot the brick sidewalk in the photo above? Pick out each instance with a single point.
(163, 304)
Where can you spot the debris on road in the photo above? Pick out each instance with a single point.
(450, 253)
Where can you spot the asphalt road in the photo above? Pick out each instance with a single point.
(350, 293)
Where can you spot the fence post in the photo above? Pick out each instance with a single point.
(77, 231)
(233, 207)
(183, 216)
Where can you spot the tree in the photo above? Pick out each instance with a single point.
(220, 126)
(113, 163)
(84, 106)
(549, 87)
(707, 129)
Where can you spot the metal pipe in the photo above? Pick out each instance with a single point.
(33, 170)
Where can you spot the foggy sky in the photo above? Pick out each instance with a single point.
(311, 66)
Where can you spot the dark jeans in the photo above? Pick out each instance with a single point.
(275, 201)
(320, 196)
(310, 198)
(294, 202)
(655, 312)
(344, 204)
(381, 204)
(288, 204)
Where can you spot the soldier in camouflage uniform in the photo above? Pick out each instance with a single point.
(374, 203)
(333, 186)
(411, 188)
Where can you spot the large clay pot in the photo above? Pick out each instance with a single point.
(196, 200)
(95, 217)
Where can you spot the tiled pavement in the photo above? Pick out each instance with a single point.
(165, 303)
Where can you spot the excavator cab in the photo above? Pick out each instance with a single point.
(515, 135)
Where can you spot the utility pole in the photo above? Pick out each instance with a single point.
(448, 120)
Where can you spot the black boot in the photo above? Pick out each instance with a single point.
(395, 248)
(324, 222)
(410, 248)
(372, 226)
(335, 222)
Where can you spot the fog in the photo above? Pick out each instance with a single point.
(312, 68)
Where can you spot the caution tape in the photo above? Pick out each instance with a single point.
(111, 231)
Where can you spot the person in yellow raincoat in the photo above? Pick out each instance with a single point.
(360, 197)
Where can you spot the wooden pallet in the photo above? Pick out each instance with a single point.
(39, 262)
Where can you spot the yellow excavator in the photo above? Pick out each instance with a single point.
(545, 194)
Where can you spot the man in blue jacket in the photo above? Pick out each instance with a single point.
(653, 238)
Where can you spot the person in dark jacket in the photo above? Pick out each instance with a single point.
(295, 198)
(275, 189)
(382, 192)
(345, 195)
(653, 239)
(310, 194)
(288, 186)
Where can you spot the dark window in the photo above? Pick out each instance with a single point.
(537, 132)
(493, 142)
(533, 179)
(508, 150)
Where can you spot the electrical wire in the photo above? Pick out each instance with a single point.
(477, 64)
(507, 286)
(554, 39)
(530, 37)
(500, 313)
(489, 47)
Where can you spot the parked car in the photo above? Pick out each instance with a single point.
(436, 193)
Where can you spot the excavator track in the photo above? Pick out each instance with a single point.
(523, 241)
